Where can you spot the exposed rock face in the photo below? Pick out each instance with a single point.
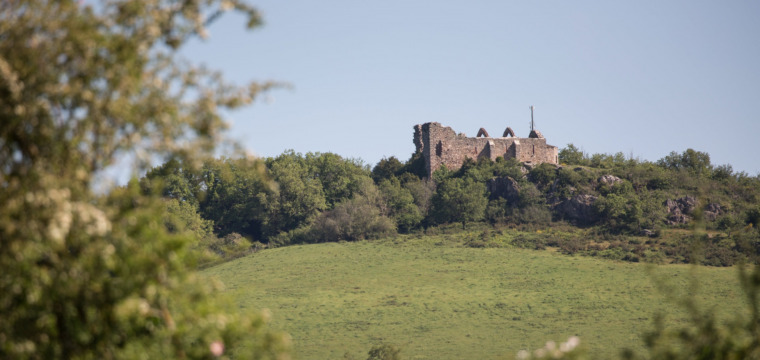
(679, 210)
(712, 211)
(578, 209)
(648, 233)
(609, 180)
(504, 187)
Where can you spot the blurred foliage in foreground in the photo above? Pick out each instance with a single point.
(99, 277)
(704, 336)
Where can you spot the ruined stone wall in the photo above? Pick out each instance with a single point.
(440, 145)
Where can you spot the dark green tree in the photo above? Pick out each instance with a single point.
(571, 155)
(387, 168)
(696, 162)
(415, 166)
(460, 200)
(299, 196)
(543, 175)
(236, 196)
(620, 211)
(422, 190)
(340, 177)
(400, 203)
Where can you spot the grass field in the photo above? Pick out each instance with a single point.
(438, 300)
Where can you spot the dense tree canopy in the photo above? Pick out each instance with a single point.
(460, 200)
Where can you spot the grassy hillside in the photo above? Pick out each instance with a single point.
(438, 300)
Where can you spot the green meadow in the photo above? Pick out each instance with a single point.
(436, 299)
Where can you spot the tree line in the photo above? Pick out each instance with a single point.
(320, 197)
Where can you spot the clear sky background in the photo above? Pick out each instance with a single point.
(639, 77)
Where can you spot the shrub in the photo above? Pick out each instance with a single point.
(355, 219)
(384, 352)
(571, 155)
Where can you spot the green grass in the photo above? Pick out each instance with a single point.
(438, 300)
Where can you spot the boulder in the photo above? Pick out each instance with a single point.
(504, 187)
(680, 210)
(687, 204)
(648, 233)
(712, 211)
(609, 180)
(578, 209)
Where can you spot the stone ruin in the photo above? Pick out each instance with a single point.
(440, 145)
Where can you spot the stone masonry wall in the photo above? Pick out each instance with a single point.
(441, 145)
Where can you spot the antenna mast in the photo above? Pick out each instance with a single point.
(531, 118)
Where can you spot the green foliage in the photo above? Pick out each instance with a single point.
(441, 174)
(387, 168)
(422, 190)
(508, 167)
(480, 171)
(181, 216)
(571, 155)
(622, 188)
(415, 166)
(174, 181)
(570, 181)
(543, 175)
(86, 276)
(619, 211)
(530, 196)
(652, 209)
(299, 196)
(497, 211)
(285, 213)
(358, 218)
(728, 222)
(340, 177)
(236, 196)
(752, 216)
(401, 204)
(607, 161)
(722, 172)
(460, 200)
(532, 214)
(693, 161)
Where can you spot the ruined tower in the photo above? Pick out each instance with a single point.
(440, 145)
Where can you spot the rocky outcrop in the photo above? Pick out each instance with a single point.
(609, 180)
(648, 233)
(680, 210)
(579, 209)
(712, 211)
(504, 187)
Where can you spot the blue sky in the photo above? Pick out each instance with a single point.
(643, 78)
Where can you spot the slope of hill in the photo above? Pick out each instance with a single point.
(438, 300)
